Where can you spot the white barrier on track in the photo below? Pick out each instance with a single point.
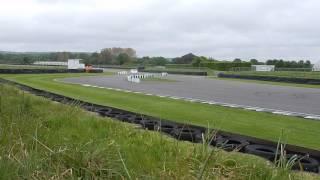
(133, 71)
(133, 78)
(122, 73)
(136, 77)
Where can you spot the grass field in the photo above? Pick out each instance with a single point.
(295, 74)
(45, 140)
(298, 131)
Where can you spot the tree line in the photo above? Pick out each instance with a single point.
(114, 56)
(121, 56)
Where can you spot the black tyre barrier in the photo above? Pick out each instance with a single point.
(209, 138)
(267, 152)
(166, 127)
(42, 71)
(137, 119)
(187, 134)
(109, 112)
(183, 131)
(305, 163)
(89, 107)
(104, 112)
(149, 124)
(114, 113)
(125, 117)
(230, 143)
(272, 78)
(58, 99)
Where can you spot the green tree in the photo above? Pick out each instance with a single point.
(105, 57)
(237, 60)
(158, 61)
(186, 59)
(123, 58)
(26, 60)
(254, 61)
(307, 64)
(198, 60)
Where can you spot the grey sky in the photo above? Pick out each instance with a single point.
(221, 29)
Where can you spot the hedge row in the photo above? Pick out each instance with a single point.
(272, 78)
(41, 71)
(224, 66)
(199, 73)
(179, 66)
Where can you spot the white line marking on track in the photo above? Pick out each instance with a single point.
(258, 109)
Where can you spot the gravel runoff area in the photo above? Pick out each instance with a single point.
(282, 98)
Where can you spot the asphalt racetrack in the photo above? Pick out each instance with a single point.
(285, 98)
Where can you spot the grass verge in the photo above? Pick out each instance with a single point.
(298, 131)
(64, 142)
(267, 82)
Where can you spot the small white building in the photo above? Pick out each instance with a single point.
(263, 67)
(75, 64)
(316, 67)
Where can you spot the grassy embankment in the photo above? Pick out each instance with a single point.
(298, 131)
(45, 140)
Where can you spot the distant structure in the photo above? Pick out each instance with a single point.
(263, 67)
(316, 67)
(71, 64)
(75, 64)
(50, 63)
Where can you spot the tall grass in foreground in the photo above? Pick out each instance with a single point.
(44, 140)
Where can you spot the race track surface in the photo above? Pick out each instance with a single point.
(294, 99)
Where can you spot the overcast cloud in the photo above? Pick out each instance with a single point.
(217, 28)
